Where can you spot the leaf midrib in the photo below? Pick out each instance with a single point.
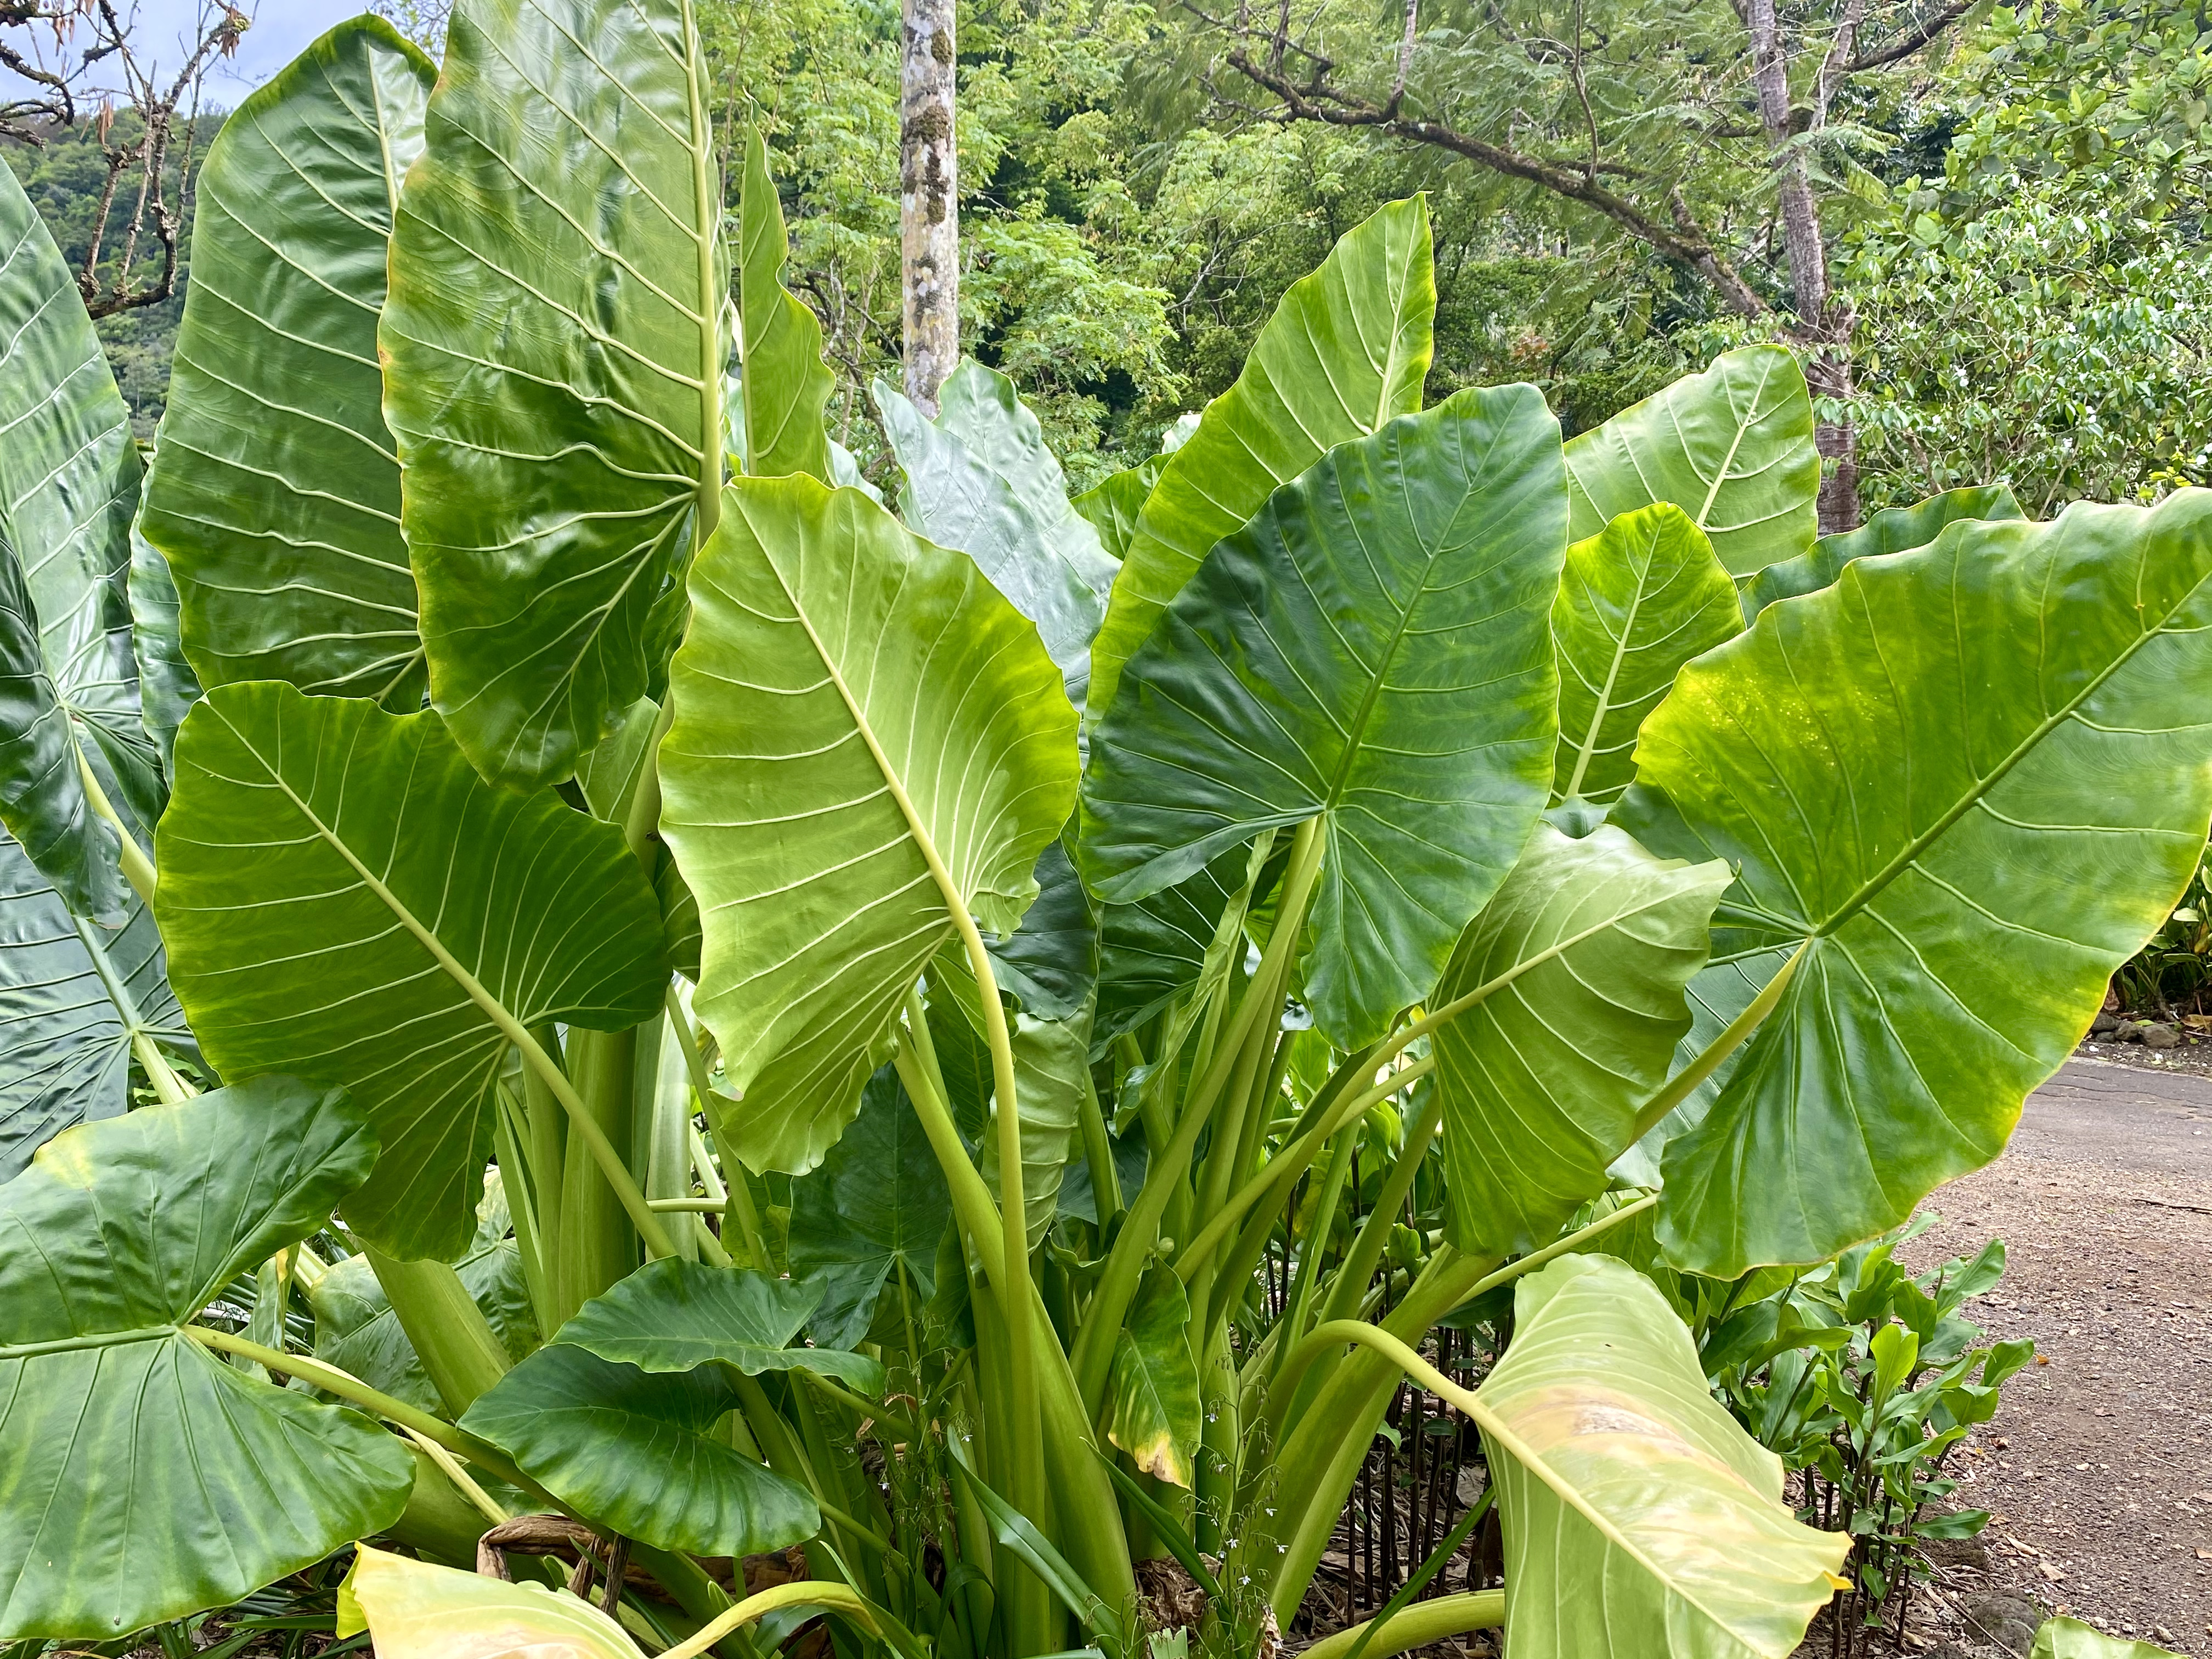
(1906, 856)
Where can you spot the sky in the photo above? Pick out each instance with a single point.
(281, 29)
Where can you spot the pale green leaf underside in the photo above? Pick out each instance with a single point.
(141, 1477)
(1636, 601)
(1991, 749)
(274, 489)
(1051, 1057)
(553, 335)
(1732, 448)
(1594, 941)
(852, 702)
(1347, 351)
(309, 839)
(1641, 1521)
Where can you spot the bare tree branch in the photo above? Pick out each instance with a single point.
(1914, 39)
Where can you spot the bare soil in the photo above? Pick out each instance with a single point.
(2098, 1467)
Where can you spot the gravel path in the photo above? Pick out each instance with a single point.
(2099, 1466)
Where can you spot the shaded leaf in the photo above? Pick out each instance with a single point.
(167, 685)
(1345, 351)
(1732, 448)
(70, 992)
(1051, 1058)
(876, 1207)
(673, 1316)
(1375, 649)
(1541, 1080)
(862, 723)
(1989, 749)
(331, 875)
(1050, 962)
(274, 489)
(142, 1478)
(1153, 1411)
(554, 363)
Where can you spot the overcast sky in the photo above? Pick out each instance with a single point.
(281, 29)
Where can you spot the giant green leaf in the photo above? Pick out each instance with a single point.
(1893, 529)
(68, 485)
(979, 478)
(554, 366)
(1347, 351)
(1051, 1059)
(1375, 648)
(274, 489)
(1636, 601)
(343, 897)
(874, 1212)
(865, 734)
(142, 1478)
(1990, 750)
(357, 1331)
(1640, 1519)
(1580, 961)
(1153, 1409)
(1732, 448)
(784, 384)
(167, 688)
(638, 1453)
(1113, 505)
(673, 1316)
(71, 994)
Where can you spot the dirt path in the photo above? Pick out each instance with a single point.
(2099, 1466)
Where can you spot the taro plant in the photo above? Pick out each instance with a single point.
(898, 963)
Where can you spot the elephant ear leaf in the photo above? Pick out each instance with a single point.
(1636, 601)
(275, 491)
(146, 1478)
(554, 369)
(1632, 1503)
(1345, 351)
(843, 674)
(783, 383)
(1893, 529)
(674, 1315)
(1922, 770)
(2070, 1638)
(640, 1452)
(417, 1610)
(68, 485)
(321, 842)
(73, 995)
(1154, 1411)
(1732, 448)
(1374, 649)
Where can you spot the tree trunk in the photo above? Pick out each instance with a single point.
(929, 200)
(1823, 328)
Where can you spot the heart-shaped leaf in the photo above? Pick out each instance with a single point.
(673, 1316)
(1893, 529)
(866, 734)
(331, 875)
(638, 1453)
(1345, 351)
(275, 491)
(1732, 448)
(1636, 601)
(876, 1209)
(1640, 1519)
(1580, 962)
(68, 483)
(1991, 749)
(72, 993)
(554, 367)
(1375, 648)
(783, 384)
(142, 1478)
